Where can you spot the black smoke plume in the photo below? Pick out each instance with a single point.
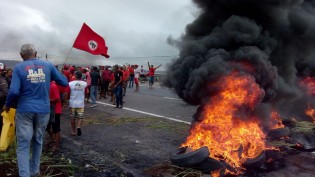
(276, 37)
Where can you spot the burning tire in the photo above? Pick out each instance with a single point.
(189, 159)
(210, 165)
(278, 133)
(256, 162)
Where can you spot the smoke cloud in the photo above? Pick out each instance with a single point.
(272, 40)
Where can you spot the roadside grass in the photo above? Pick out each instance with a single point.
(92, 121)
(304, 127)
(52, 164)
(8, 155)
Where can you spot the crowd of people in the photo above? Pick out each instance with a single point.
(110, 81)
(39, 91)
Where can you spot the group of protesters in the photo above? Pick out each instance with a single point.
(39, 92)
(104, 80)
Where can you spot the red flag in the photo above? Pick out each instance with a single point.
(91, 42)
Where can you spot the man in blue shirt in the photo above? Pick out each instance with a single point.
(29, 91)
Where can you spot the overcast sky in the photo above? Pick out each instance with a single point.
(132, 29)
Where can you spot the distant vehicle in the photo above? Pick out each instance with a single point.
(1, 66)
(143, 78)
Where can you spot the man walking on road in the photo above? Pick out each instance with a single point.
(76, 89)
(30, 90)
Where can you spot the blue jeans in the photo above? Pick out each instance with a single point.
(30, 129)
(131, 80)
(151, 80)
(118, 94)
(93, 93)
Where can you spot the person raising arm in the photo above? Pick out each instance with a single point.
(151, 74)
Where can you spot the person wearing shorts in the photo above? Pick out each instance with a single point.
(76, 90)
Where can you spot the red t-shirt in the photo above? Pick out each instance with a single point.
(106, 75)
(54, 94)
(131, 70)
(67, 74)
(151, 71)
(62, 89)
(112, 77)
(71, 77)
(125, 75)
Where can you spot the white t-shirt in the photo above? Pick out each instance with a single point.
(137, 73)
(77, 92)
(142, 71)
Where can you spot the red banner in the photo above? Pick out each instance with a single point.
(91, 42)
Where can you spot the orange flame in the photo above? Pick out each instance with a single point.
(216, 173)
(276, 121)
(310, 112)
(226, 132)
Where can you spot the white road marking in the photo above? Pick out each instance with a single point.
(147, 113)
(148, 86)
(170, 98)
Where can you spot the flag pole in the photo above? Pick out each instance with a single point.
(68, 56)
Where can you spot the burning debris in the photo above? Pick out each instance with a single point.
(249, 66)
(236, 139)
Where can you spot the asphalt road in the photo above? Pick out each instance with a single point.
(157, 101)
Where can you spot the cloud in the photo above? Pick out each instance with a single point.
(130, 28)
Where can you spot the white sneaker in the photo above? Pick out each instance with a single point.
(93, 105)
